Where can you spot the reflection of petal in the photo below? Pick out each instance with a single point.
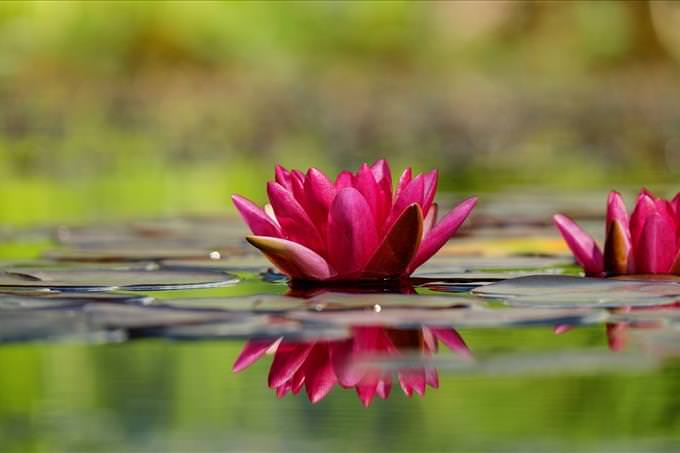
(286, 362)
(452, 340)
(319, 375)
(253, 350)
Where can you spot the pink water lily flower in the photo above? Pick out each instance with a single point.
(647, 242)
(320, 365)
(353, 228)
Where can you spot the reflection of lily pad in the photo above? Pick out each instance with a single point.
(564, 291)
(88, 279)
(346, 301)
(60, 324)
(259, 303)
(461, 317)
(62, 300)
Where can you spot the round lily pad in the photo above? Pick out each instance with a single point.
(564, 291)
(88, 279)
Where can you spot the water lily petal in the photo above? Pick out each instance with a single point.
(319, 375)
(367, 390)
(430, 189)
(352, 236)
(282, 176)
(441, 233)
(656, 247)
(432, 377)
(365, 183)
(383, 176)
(384, 386)
(430, 219)
(319, 194)
(400, 245)
(617, 249)
(253, 350)
(404, 180)
(294, 221)
(341, 355)
(343, 180)
(584, 248)
(293, 259)
(257, 219)
(287, 361)
(645, 207)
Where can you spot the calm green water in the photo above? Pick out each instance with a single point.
(158, 395)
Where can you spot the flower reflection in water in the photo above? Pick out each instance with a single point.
(320, 365)
(617, 332)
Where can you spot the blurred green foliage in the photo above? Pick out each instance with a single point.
(114, 109)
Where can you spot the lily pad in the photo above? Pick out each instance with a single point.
(138, 317)
(349, 301)
(88, 279)
(65, 324)
(247, 263)
(131, 253)
(564, 291)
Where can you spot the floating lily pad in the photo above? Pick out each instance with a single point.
(130, 253)
(137, 317)
(247, 263)
(88, 279)
(564, 291)
(459, 264)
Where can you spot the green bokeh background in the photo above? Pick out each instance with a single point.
(129, 109)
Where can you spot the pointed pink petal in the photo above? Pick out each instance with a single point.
(286, 362)
(430, 219)
(343, 180)
(442, 232)
(452, 340)
(404, 180)
(253, 350)
(282, 390)
(365, 183)
(676, 205)
(298, 381)
(282, 176)
(382, 174)
(584, 248)
(294, 221)
(293, 259)
(616, 209)
(298, 191)
(392, 257)
(430, 190)
(412, 193)
(258, 221)
(319, 194)
(656, 247)
(352, 236)
(320, 377)
(644, 207)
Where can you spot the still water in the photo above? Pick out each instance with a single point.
(127, 338)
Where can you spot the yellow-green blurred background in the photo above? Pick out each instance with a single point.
(137, 109)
